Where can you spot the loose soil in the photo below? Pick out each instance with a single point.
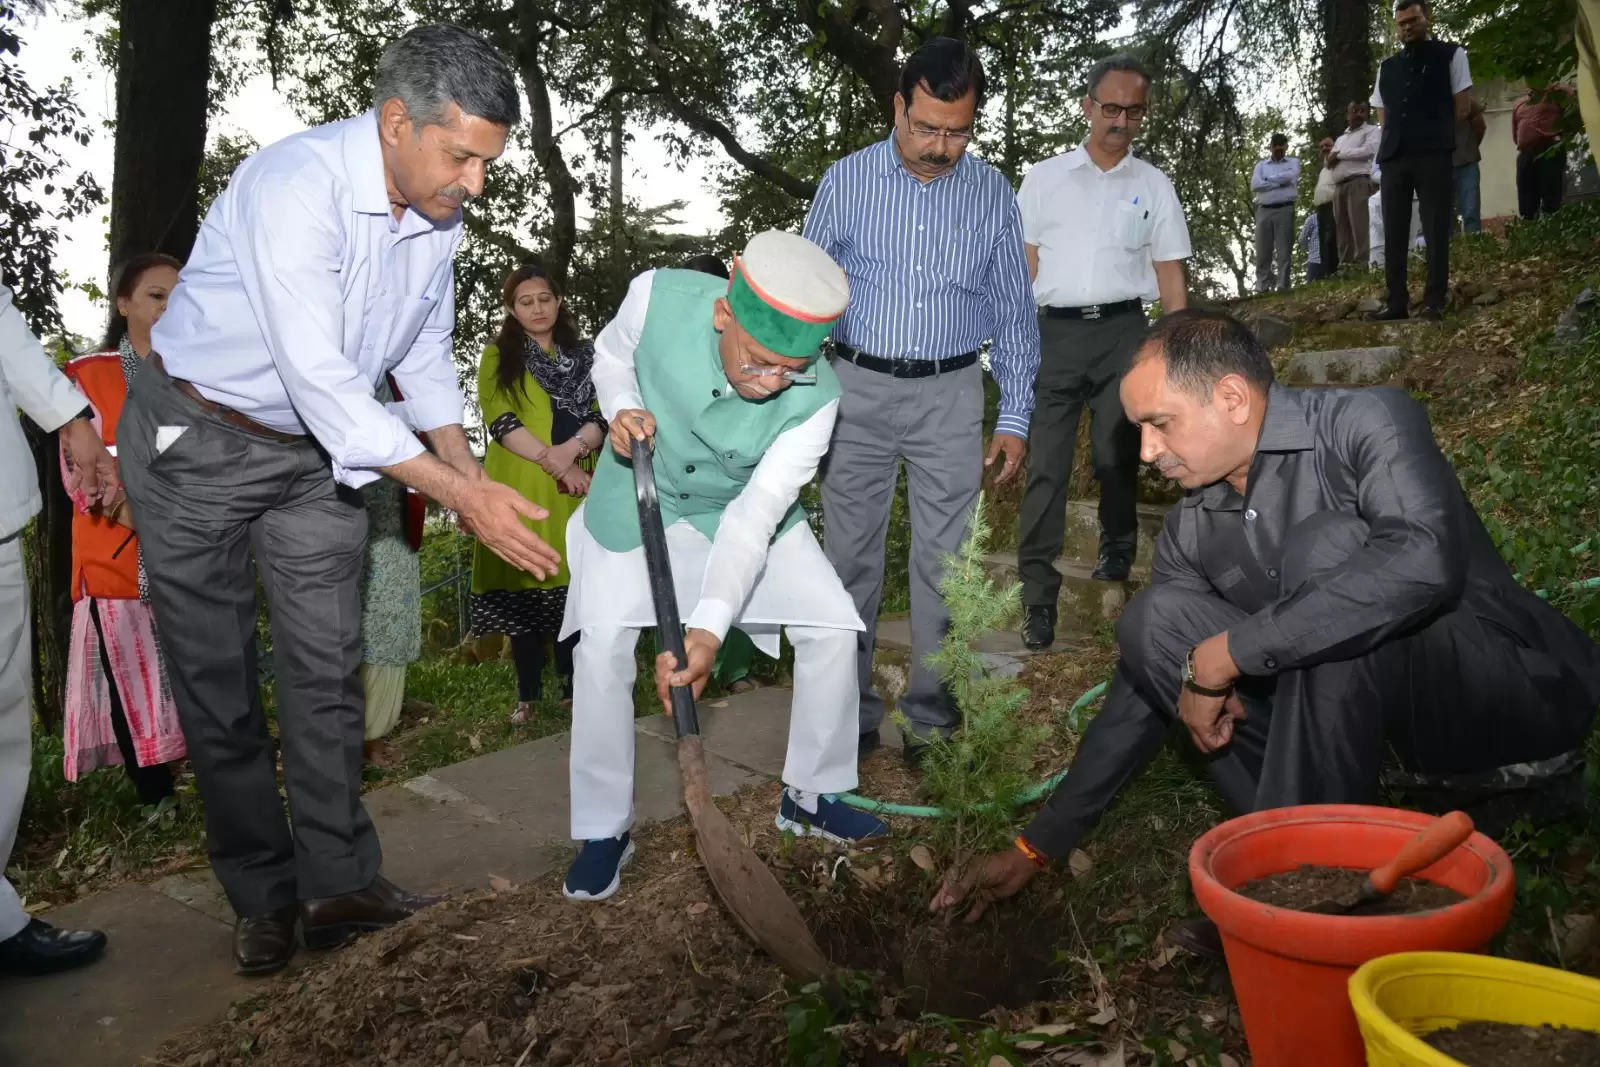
(1310, 885)
(1486, 1044)
(870, 913)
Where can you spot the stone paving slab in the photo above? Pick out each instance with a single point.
(166, 969)
(528, 784)
(894, 633)
(747, 729)
(435, 847)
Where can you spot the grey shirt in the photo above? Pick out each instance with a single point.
(1369, 453)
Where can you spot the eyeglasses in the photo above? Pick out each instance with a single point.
(924, 132)
(1116, 111)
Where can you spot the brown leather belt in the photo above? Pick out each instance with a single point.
(222, 411)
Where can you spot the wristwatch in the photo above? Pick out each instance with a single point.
(1195, 687)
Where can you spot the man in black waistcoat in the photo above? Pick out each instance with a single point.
(1421, 91)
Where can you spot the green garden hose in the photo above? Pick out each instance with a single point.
(1039, 790)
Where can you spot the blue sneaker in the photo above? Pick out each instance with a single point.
(834, 820)
(597, 871)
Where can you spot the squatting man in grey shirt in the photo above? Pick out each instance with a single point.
(1324, 597)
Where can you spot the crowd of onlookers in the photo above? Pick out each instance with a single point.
(1434, 162)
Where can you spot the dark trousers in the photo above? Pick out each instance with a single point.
(1083, 362)
(1541, 176)
(1328, 239)
(528, 656)
(211, 499)
(1431, 179)
(1457, 695)
(152, 784)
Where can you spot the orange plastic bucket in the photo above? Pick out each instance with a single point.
(1290, 969)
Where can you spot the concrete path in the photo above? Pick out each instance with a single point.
(501, 815)
(504, 814)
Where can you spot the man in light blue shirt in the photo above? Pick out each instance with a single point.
(1275, 185)
(931, 241)
(324, 265)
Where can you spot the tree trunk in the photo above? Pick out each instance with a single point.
(531, 30)
(1346, 58)
(616, 179)
(163, 78)
(49, 566)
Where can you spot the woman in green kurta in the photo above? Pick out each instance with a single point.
(539, 405)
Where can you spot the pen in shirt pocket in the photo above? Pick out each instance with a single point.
(1136, 204)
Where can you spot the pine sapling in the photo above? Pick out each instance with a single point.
(977, 775)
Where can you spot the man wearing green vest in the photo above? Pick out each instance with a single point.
(722, 379)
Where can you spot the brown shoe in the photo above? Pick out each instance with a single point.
(329, 921)
(263, 944)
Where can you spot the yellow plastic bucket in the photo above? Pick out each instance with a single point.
(1400, 996)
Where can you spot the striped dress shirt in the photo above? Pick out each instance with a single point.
(936, 268)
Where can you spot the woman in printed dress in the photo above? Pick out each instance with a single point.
(539, 405)
(119, 706)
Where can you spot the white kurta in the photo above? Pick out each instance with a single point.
(744, 577)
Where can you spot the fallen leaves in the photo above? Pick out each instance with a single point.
(1079, 863)
(922, 857)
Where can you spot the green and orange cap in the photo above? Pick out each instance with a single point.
(787, 293)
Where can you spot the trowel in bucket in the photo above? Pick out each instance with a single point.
(745, 885)
(1431, 844)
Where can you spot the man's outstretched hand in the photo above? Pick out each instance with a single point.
(984, 881)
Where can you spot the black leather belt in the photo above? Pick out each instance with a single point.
(1095, 311)
(904, 368)
(1274, 207)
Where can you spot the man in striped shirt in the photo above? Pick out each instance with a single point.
(931, 241)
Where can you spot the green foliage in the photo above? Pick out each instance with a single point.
(37, 188)
(810, 1016)
(1535, 482)
(76, 832)
(977, 775)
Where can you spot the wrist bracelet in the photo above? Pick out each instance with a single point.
(1038, 858)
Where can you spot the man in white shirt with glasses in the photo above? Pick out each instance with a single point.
(1103, 232)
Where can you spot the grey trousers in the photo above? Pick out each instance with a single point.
(935, 425)
(16, 717)
(1083, 362)
(203, 504)
(1456, 695)
(1351, 222)
(1274, 243)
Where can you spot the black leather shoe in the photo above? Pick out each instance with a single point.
(1388, 315)
(1431, 314)
(911, 753)
(40, 948)
(329, 921)
(263, 944)
(1113, 567)
(868, 743)
(1039, 626)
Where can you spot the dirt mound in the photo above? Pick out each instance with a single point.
(658, 974)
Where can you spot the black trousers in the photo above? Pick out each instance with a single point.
(528, 656)
(153, 784)
(1083, 361)
(1540, 178)
(1454, 696)
(1431, 179)
(1328, 239)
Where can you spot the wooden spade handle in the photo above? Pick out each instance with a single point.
(1432, 844)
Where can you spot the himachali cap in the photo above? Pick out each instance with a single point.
(787, 293)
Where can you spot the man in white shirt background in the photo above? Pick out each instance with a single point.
(324, 265)
(1351, 159)
(28, 379)
(1422, 92)
(1275, 185)
(1103, 232)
